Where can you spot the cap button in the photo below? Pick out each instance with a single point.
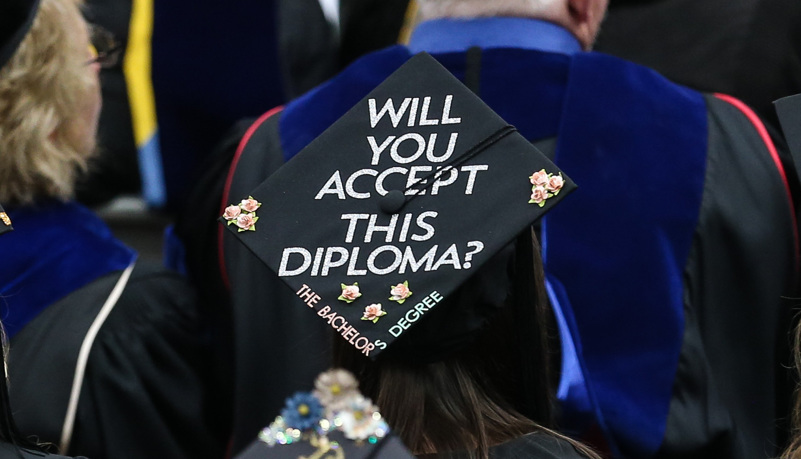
(392, 202)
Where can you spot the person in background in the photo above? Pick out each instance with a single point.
(243, 58)
(749, 49)
(12, 443)
(106, 354)
(457, 354)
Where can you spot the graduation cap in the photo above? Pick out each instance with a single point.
(5, 222)
(16, 17)
(333, 421)
(380, 219)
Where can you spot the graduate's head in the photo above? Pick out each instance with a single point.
(581, 17)
(49, 99)
(477, 372)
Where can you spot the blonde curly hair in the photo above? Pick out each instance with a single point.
(43, 89)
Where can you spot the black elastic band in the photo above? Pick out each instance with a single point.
(426, 182)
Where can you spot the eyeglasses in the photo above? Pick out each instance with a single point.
(104, 48)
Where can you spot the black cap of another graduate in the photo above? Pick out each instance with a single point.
(334, 420)
(5, 222)
(381, 218)
(16, 17)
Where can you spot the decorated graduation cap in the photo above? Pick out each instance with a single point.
(5, 222)
(333, 421)
(380, 219)
(16, 17)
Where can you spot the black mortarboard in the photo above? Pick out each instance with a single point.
(334, 420)
(16, 17)
(399, 202)
(5, 222)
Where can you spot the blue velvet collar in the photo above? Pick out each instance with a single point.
(55, 249)
(440, 36)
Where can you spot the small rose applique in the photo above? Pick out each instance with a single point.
(544, 186)
(243, 215)
(349, 292)
(231, 212)
(400, 292)
(249, 204)
(555, 184)
(373, 312)
(246, 222)
(538, 195)
(539, 178)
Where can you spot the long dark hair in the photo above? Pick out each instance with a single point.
(793, 451)
(494, 389)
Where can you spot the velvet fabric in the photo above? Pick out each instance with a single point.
(640, 239)
(614, 125)
(55, 249)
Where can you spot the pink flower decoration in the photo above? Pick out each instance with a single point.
(400, 292)
(349, 292)
(539, 178)
(231, 212)
(246, 222)
(538, 195)
(373, 312)
(249, 204)
(555, 183)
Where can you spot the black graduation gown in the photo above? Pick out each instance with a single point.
(147, 390)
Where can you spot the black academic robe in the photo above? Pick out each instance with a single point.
(659, 329)
(119, 365)
(145, 391)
